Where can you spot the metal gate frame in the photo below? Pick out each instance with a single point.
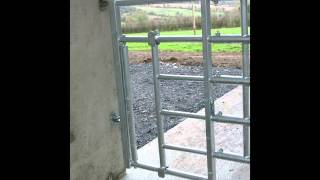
(120, 52)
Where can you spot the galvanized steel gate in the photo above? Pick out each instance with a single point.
(154, 39)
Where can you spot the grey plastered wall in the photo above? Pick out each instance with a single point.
(95, 142)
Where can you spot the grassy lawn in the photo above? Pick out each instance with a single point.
(168, 11)
(188, 47)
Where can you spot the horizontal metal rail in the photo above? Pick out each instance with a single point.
(213, 39)
(134, 39)
(222, 119)
(180, 39)
(144, 166)
(180, 77)
(218, 155)
(170, 171)
(231, 157)
(181, 113)
(230, 80)
(216, 79)
(180, 148)
(144, 2)
(232, 120)
(229, 39)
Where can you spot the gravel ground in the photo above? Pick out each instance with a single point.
(175, 95)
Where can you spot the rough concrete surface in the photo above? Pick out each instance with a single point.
(191, 133)
(95, 143)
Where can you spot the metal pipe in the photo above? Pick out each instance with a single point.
(219, 155)
(218, 79)
(212, 39)
(181, 113)
(180, 148)
(180, 77)
(129, 104)
(180, 39)
(229, 39)
(246, 74)
(229, 80)
(231, 157)
(133, 39)
(170, 171)
(222, 119)
(206, 45)
(114, 20)
(233, 120)
(156, 71)
(144, 166)
(143, 2)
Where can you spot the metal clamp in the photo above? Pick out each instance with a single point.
(115, 117)
(121, 43)
(161, 171)
(152, 39)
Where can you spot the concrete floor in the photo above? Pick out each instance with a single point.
(191, 133)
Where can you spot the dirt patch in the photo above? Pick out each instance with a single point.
(231, 60)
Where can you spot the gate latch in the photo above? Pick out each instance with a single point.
(115, 117)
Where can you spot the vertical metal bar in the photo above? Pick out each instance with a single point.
(246, 73)
(156, 69)
(206, 46)
(120, 81)
(131, 122)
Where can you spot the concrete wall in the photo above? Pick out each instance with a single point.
(95, 142)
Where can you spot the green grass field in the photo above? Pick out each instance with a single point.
(168, 11)
(188, 47)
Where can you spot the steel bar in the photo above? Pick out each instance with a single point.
(222, 119)
(219, 155)
(229, 80)
(133, 39)
(206, 46)
(233, 120)
(216, 79)
(131, 122)
(212, 39)
(170, 171)
(180, 77)
(246, 73)
(180, 148)
(185, 174)
(229, 39)
(156, 69)
(181, 113)
(144, 166)
(180, 39)
(231, 157)
(120, 82)
(144, 2)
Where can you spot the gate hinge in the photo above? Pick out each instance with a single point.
(115, 117)
(152, 37)
(103, 5)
